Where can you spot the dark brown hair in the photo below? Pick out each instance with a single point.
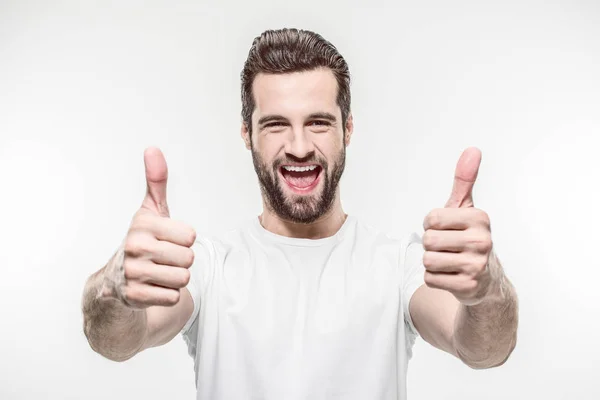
(293, 50)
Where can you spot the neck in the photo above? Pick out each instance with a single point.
(325, 226)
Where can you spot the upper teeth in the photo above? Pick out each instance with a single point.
(299, 169)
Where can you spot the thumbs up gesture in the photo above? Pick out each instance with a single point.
(152, 264)
(457, 239)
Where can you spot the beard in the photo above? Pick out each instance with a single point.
(303, 209)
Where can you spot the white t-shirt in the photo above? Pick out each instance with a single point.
(279, 318)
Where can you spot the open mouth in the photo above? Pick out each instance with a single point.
(301, 178)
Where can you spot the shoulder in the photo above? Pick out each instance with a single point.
(225, 241)
(407, 244)
(212, 250)
(366, 231)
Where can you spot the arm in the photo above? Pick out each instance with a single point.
(468, 308)
(139, 299)
(118, 332)
(481, 335)
(113, 330)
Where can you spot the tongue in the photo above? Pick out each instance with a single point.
(300, 179)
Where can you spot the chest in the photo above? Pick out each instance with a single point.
(289, 319)
(319, 294)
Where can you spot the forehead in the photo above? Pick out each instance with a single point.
(295, 94)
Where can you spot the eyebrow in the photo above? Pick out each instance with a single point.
(317, 115)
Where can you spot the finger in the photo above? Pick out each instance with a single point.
(156, 181)
(465, 175)
(160, 275)
(175, 232)
(165, 229)
(455, 283)
(470, 240)
(167, 253)
(437, 261)
(142, 295)
(447, 240)
(454, 218)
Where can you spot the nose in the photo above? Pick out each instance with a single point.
(299, 144)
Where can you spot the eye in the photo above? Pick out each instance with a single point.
(274, 124)
(319, 123)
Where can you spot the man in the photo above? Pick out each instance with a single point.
(305, 301)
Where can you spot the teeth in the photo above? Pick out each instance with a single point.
(299, 169)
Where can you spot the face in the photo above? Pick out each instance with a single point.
(298, 143)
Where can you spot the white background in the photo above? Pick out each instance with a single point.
(86, 86)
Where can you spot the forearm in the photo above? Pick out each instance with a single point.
(485, 334)
(113, 330)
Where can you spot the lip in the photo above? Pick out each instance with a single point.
(299, 165)
(298, 190)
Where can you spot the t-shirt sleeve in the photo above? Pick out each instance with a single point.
(413, 274)
(199, 275)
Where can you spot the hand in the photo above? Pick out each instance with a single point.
(152, 264)
(457, 239)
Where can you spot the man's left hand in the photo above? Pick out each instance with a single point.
(458, 239)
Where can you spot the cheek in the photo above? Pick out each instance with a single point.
(330, 144)
(273, 142)
(334, 154)
(267, 149)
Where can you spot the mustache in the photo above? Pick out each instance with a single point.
(290, 160)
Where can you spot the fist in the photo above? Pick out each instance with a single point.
(151, 266)
(458, 240)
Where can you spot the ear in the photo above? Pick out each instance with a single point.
(349, 130)
(245, 135)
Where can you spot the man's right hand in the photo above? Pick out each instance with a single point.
(152, 264)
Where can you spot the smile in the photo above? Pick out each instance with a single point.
(301, 179)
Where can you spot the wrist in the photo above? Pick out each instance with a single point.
(500, 299)
(111, 279)
(496, 289)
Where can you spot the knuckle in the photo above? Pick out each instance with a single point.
(433, 218)
(427, 259)
(471, 284)
(137, 223)
(190, 256)
(483, 217)
(130, 246)
(469, 288)
(143, 222)
(473, 242)
(481, 264)
(134, 246)
(429, 279)
(487, 244)
(172, 298)
(134, 295)
(191, 238)
(129, 270)
(475, 269)
(480, 242)
(428, 239)
(184, 278)
(125, 295)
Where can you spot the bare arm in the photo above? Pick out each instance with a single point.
(481, 335)
(139, 299)
(113, 330)
(118, 332)
(468, 308)
(485, 334)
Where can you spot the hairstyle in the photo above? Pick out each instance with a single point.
(293, 50)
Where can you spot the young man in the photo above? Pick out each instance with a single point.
(305, 301)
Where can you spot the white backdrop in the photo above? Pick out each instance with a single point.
(86, 86)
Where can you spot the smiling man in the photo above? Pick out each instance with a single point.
(303, 301)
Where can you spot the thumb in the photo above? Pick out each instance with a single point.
(156, 181)
(464, 179)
